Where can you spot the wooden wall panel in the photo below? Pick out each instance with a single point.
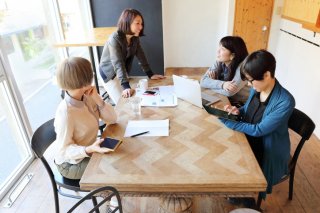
(301, 11)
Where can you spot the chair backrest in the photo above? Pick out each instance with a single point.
(302, 125)
(106, 192)
(43, 137)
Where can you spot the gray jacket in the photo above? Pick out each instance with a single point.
(242, 93)
(117, 56)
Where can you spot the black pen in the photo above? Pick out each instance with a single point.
(142, 133)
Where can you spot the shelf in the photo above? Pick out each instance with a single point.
(312, 27)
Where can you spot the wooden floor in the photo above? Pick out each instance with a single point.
(37, 197)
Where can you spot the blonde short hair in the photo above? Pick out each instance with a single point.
(74, 73)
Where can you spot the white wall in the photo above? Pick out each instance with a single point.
(192, 30)
(298, 68)
(298, 63)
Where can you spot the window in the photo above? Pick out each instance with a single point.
(28, 93)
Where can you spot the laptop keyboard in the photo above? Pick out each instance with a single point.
(208, 99)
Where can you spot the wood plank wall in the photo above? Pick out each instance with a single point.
(301, 11)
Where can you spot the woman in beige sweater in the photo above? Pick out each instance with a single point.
(77, 118)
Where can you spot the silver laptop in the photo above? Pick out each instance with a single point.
(189, 90)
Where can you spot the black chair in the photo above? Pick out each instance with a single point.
(106, 193)
(42, 138)
(304, 126)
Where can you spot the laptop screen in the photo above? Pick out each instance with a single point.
(189, 90)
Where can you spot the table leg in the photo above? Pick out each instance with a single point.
(175, 204)
(94, 68)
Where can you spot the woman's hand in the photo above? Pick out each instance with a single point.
(93, 93)
(211, 74)
(230, 86)
(157, 77)
(95, 147)
(127, 93)
(231, 109)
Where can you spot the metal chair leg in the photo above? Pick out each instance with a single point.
(95, 203)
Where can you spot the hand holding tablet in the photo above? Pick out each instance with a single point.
(221, 113)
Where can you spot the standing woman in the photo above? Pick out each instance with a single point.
(118, 54)
(265, 116)
(224, 76)
(77, 118)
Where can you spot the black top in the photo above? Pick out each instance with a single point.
(225, 73)
(256, 109)
(254, 115)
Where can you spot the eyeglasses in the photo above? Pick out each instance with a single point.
(251, 80)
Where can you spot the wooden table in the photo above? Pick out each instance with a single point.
(93, 38)
(200, 157)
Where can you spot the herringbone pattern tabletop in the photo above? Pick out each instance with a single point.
(200, 155)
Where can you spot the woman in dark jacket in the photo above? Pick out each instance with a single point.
(118, 54)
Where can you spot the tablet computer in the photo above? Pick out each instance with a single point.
(111, 143)
(221, 113)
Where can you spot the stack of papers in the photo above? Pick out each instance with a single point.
(154, 128)
(163, 96)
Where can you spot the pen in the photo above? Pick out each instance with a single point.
(142, 133)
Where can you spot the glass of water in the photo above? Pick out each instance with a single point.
(136, 105)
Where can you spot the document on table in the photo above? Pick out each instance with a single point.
(164, 96)
(154, 128)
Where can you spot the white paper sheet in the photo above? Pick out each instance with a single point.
(164, 97)
(155, 128)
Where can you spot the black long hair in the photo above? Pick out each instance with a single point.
(237, 46)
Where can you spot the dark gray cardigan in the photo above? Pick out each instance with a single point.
(117, 56)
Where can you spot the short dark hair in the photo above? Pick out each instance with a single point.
(257, 64)
(126, 18)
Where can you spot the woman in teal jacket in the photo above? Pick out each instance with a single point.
(265, 116)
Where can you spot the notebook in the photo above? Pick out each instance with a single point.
(189, 90)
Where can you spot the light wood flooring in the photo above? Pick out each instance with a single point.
(37, 197)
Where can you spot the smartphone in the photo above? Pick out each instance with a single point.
(221, 113)
(111, 143)
(149, 92)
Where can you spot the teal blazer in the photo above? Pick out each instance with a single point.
(273, 128)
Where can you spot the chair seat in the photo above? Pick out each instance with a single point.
(66, 182)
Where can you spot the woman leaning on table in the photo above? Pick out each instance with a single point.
(265, 116)
(77, 118)
(118, 53)
(224, 76)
